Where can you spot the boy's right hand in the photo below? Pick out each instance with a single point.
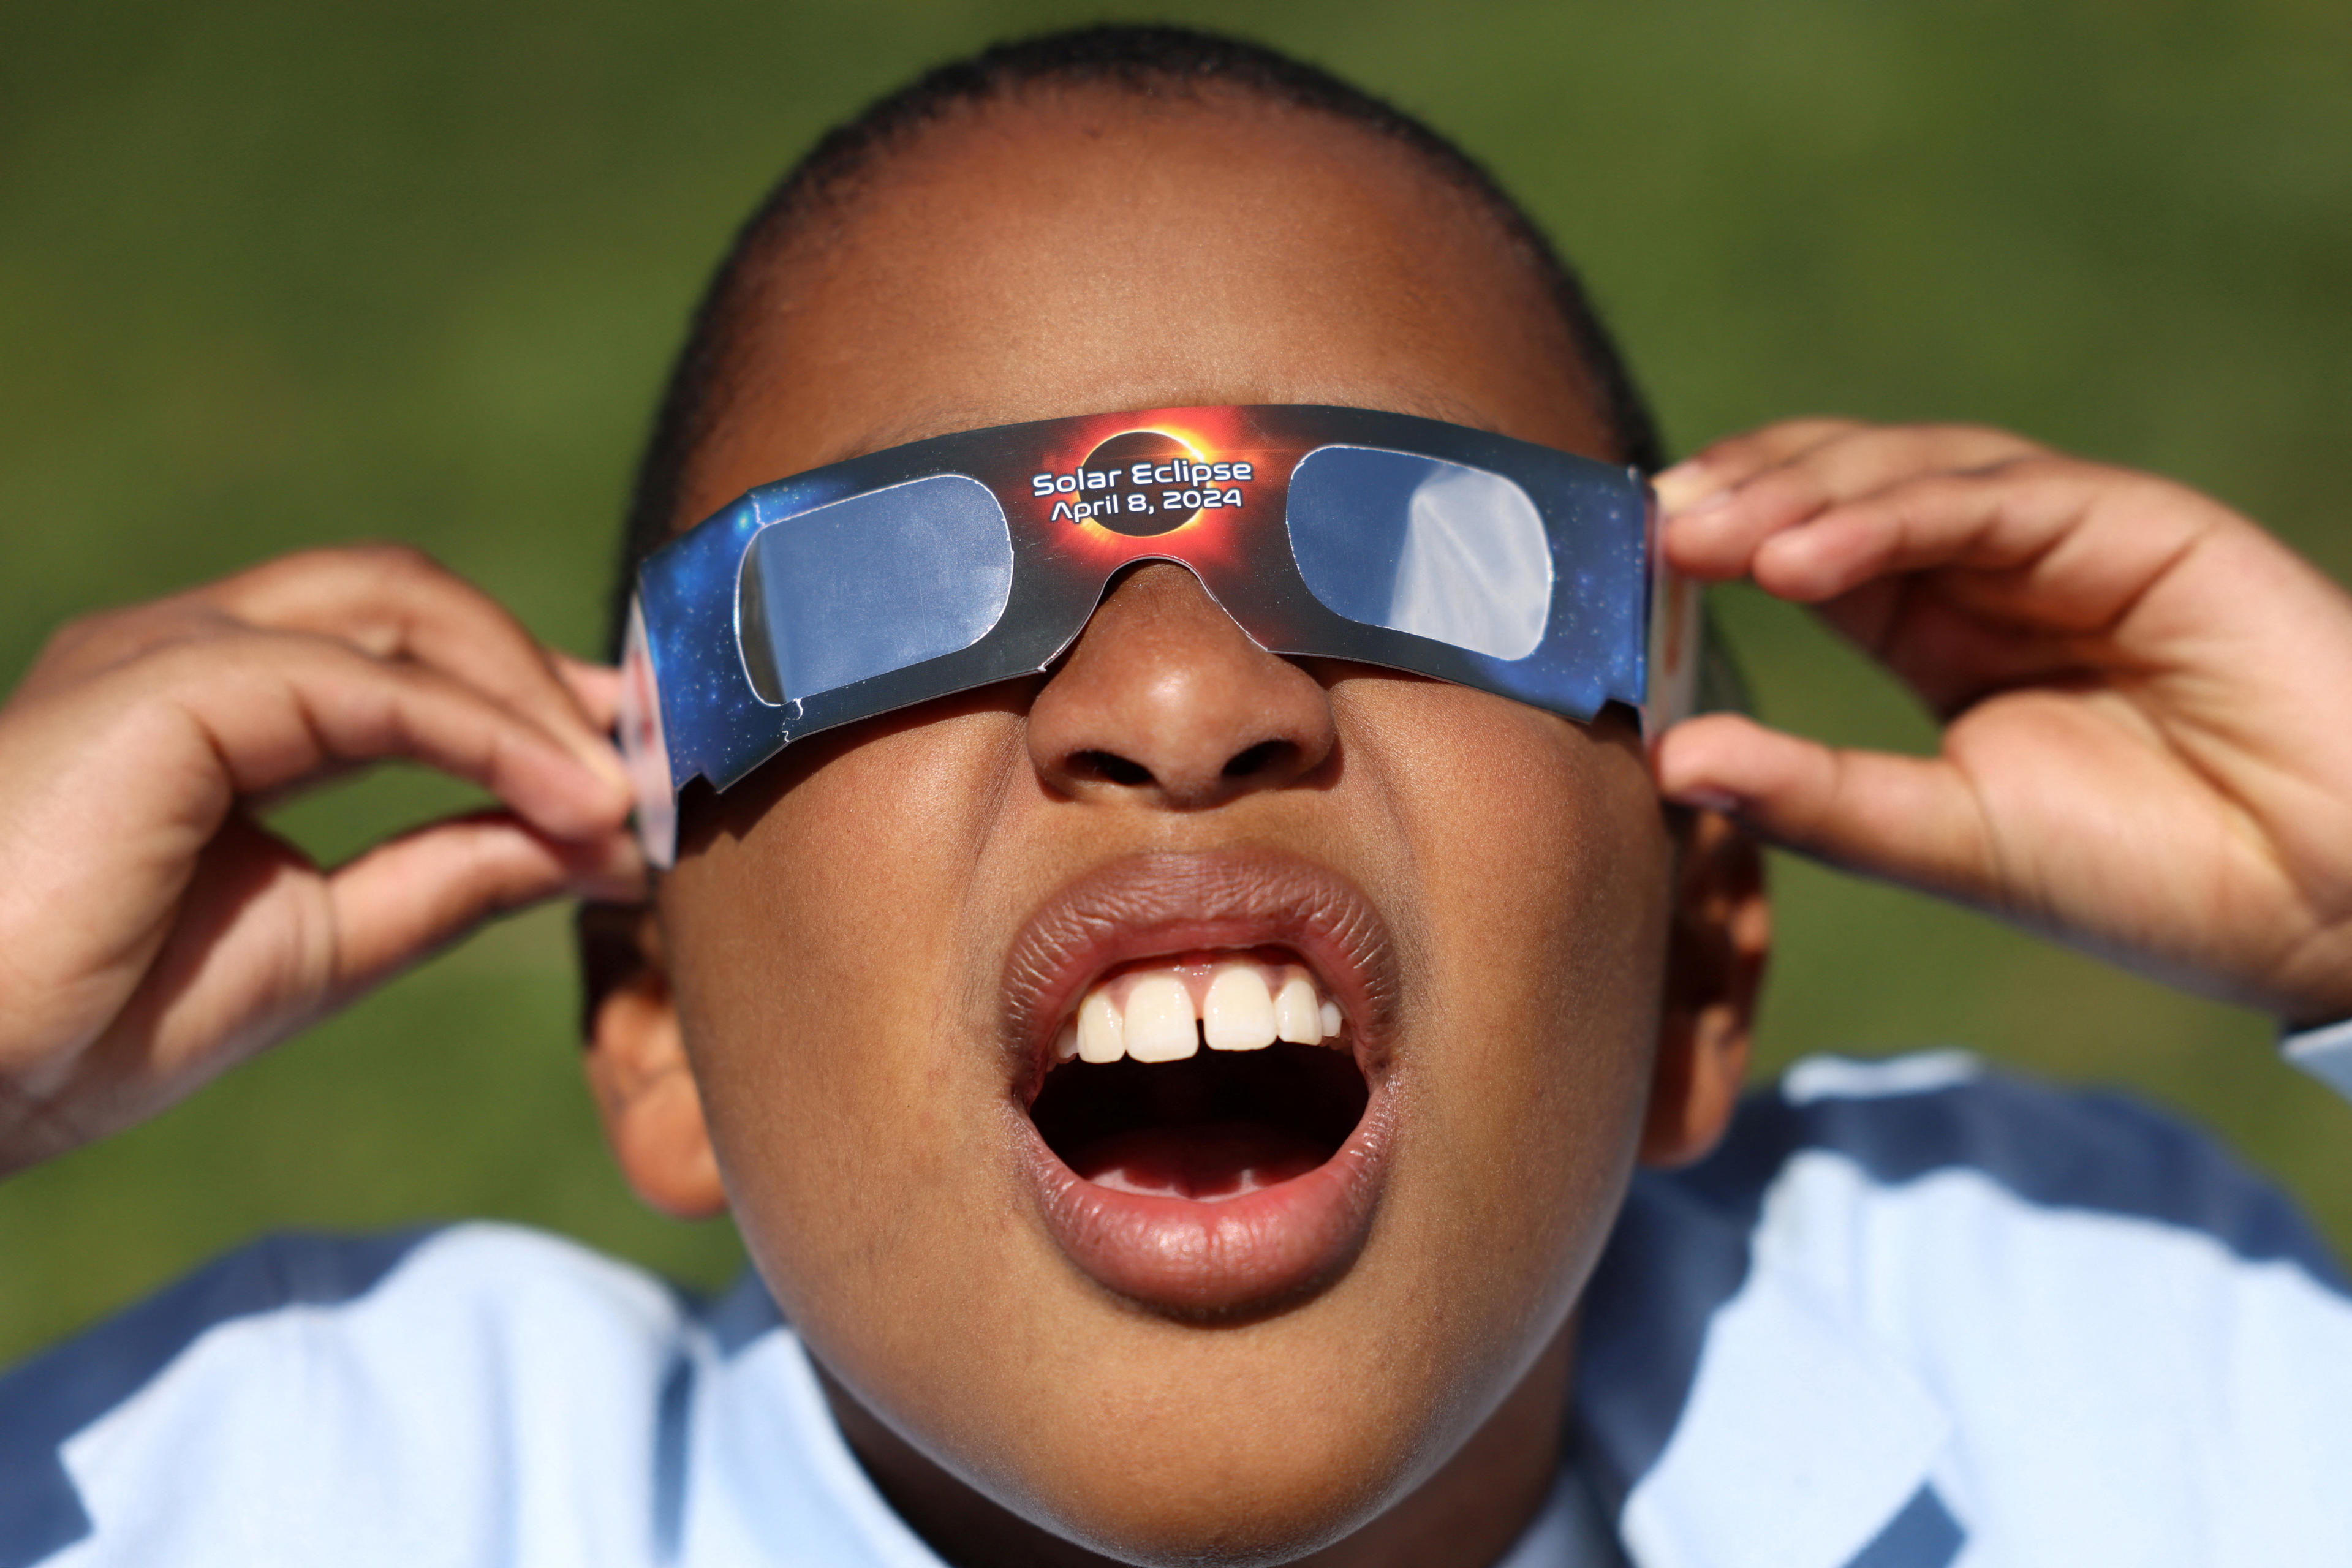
(152, 933)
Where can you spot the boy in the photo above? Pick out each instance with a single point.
(1902, 1315)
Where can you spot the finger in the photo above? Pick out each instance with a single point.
(1905, 818)
(409, 898)
(596, 688)
(398, 603)
(1718, 541)
(125, 786)
(2077, 541)
(1724, 465)
(388, 601)
(279, 710)
(265, 945)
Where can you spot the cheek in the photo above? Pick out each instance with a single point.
(816, 937)
(1540, 864)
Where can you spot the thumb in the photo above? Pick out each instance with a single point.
(1911, 820)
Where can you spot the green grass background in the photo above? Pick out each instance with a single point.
(273, 274)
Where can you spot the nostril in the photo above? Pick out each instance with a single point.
(1258, 758)
(1110, 767)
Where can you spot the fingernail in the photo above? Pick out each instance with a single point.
(1688, 487)
(604, 762)
(1700, 798)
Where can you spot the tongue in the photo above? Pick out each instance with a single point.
(1206, 1162)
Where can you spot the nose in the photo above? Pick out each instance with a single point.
(1165, 700)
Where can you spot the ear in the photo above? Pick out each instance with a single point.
(637, 1066)
(1721, 937)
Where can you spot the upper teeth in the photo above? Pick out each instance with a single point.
(1163, 1012)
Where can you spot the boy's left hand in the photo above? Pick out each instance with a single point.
(2146, 700)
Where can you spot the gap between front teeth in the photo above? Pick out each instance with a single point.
(1166, 1013)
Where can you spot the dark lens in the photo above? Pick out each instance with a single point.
(1417, 544)
(871, 584)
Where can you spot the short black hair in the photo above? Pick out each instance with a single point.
(1150, 62)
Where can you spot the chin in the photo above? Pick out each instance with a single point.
(1221, 1482)
(1215, 1517)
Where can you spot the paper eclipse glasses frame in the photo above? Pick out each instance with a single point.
(930, 568)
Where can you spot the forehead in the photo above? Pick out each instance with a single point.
(1080, 251)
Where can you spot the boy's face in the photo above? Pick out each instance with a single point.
(1106, 1311)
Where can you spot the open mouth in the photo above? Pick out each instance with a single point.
(1198, 1047)
(1204, 1077)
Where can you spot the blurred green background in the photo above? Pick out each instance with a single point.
(274, 274)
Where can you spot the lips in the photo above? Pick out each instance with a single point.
(1222, 1168)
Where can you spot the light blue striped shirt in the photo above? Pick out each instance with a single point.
(1911, 1315)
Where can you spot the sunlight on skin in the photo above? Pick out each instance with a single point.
(837, 927)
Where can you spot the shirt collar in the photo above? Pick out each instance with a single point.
(1719, 1404)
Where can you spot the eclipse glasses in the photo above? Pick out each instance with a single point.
(930, 568)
